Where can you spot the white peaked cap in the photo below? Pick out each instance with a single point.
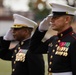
(57, 7)
(21, 21)
(58, 1)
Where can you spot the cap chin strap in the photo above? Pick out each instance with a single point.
(19, 26)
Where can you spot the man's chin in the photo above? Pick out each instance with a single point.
(53, 28)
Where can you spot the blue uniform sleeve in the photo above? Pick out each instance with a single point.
(5, 52)
(36, 44)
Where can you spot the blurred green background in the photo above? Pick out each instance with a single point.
(5, 67)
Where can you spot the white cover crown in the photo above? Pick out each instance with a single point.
(57, 7)
(21, 20)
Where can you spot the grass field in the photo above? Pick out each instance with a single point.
(5, 66)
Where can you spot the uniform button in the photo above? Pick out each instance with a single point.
(22, 43)
(15, 51)
(51, 56)
(12, 56)
(14, 62)
(56, 45)
(49, 69)
(61, 34)
(53, 50)
(50, 63)
(13, 70)
(58, 40)
(19, 48)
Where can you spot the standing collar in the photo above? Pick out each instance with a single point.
(64, 33)
(25, 40)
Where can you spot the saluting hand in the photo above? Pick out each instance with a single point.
(9, 35)
(45, 23)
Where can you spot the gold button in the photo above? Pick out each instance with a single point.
(50, 63)
(58, 40)
(61, 34)
(49, 69)
(56, 45)
(12, 56)
(51, 56)
(13, 69)
(22, 43)
(14, 62)
(53, 50)
(19, 48)
(15, 51)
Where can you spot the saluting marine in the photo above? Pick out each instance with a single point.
(61, 48)
(23, 61)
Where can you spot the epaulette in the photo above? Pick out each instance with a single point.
(74, 35)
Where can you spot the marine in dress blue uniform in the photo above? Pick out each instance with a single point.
(61, 48)
(23, 61)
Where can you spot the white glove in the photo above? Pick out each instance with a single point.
(9, 35)
(45, 23)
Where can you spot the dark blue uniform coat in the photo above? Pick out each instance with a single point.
(61, 50)
(23, 61)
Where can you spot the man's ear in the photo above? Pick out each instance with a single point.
(26, 31)
(68, 19)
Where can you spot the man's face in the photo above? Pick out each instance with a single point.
(19, 34)
(58, 23)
